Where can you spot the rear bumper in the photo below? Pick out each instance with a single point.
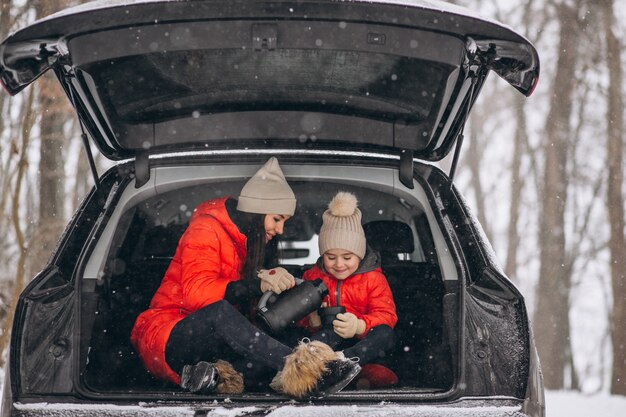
(470, 408)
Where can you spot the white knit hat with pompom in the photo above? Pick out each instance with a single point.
(342, 228)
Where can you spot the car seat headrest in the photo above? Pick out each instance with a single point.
(389, 236)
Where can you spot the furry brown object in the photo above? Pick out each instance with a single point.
(277, 382)
(229, 380)
(303, 369)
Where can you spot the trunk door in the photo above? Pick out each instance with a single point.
(155, 76)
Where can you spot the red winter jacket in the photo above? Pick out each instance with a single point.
(210, 255)
(366, 294)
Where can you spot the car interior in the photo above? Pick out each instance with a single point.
(145, 239)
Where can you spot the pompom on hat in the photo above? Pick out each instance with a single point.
(267, 192)
(341, 227)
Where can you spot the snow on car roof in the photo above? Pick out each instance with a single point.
(426, 4)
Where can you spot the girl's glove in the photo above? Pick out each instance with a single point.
(276, 280)
(347, 325)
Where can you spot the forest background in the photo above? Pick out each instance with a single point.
(544, 175)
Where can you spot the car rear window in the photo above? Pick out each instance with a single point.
(161, 86)
(333, 81)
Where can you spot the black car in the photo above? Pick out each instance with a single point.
(190, 98)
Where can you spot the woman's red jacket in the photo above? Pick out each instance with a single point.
(210, 255)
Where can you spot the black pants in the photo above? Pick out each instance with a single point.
(220, 331)
(374, 346)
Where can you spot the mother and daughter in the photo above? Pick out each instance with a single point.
(197, 317)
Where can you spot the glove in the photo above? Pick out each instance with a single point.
(347, 325)
(276, 280)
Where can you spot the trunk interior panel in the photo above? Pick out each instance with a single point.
(145, 242)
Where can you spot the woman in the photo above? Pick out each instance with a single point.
(193, 321)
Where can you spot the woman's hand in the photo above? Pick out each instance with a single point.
(347, 325)
(276, 280)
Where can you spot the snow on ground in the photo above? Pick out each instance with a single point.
(575, 404)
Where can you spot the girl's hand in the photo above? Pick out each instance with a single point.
(347, 325)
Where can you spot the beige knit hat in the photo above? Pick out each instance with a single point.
(267, 192)
(342, 228)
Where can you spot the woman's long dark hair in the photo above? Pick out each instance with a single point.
(259, 253)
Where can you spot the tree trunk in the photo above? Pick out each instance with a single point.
(55, 113)
(16, 219)
(615, 201)
(551, 314)
(474, 160)
(517, 184)
(5, 18)
(5, 22)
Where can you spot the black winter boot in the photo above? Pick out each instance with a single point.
(205, 378)
(314, 370)
(338, 374)
(199, 378)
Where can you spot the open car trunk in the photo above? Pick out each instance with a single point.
(462, 330)
(145, 237)
(458, 322)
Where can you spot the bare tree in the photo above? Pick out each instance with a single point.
(7, 150)
(18, 285)
(520, 150)
(474, 161)
(55, 114)
(615, 199)
(5, 22)
(5, 19)
(517, 185)
(552, 310)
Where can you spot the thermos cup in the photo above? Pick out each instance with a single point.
(328, 314)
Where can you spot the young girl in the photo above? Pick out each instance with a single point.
(355, 281)
(194, 321)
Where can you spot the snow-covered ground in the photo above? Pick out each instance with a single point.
(575, 404)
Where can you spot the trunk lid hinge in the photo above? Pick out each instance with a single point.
(142, 168)
(406, 168)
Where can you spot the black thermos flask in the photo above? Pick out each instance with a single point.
(292, 305)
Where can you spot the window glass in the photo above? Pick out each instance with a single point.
(159, 86)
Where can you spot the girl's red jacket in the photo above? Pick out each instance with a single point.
(365, 294)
